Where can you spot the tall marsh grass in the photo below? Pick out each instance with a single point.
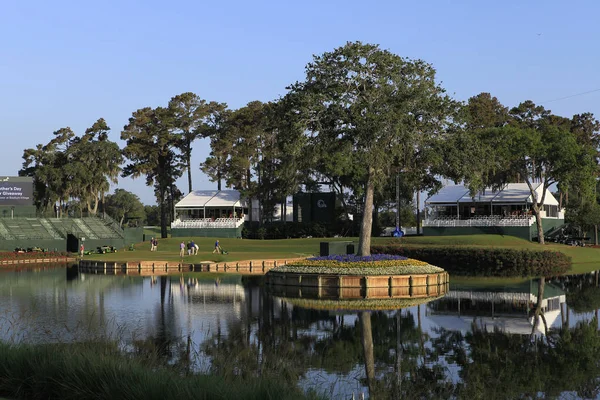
(99, 371)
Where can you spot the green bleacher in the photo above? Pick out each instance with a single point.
(27, 228)
(88, 232)
(88, 227)
(101, 228)
(50, 228)
(62, 225)
(5, 233)
(59, 228)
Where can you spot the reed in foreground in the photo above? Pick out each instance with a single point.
(76, 372)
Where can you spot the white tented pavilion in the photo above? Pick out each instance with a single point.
(509, 206)
(210, 209)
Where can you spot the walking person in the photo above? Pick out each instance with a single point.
(182, 249)
(196, 248)
(152, 244)
(81, 250)
(217, 247)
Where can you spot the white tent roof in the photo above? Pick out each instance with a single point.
(210, 198)
(511, 193)
(549, 200)
(448, 195)
(225, 198)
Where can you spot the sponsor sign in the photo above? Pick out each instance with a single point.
(16, 191)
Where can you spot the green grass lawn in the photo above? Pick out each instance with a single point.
(239, 249)
(585, 259)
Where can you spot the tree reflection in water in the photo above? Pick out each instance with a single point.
(390, 354)
(400, 360)
(397, 354)
(498, 365)
(164, 347)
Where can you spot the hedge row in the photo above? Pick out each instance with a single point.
(469, 261)
(289, 230)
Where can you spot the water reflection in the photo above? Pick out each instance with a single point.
(511, 308)
(475, 342)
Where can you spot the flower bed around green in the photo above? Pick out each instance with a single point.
(33, 255)
(377, 264)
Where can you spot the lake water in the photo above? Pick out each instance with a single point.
(476, 342)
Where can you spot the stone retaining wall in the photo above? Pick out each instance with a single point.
(37, 260)
(258, 267)
(358, 286)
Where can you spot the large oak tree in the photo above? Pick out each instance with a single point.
(124, 205)
(538, 148)
(72, 167)
(366, 105)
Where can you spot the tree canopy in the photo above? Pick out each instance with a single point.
(73, 167)
(362, 118)
(150, 151)
(534, 147)
(190, 114)
(366, 109)
(125, 206)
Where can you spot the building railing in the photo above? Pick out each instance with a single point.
(112, 224)
(491, 220)
(207, 223)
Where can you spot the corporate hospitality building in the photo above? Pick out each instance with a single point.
(507, 211)
(222, 213)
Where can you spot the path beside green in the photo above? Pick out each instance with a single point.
(585, 259)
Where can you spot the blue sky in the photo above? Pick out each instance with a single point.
(68, 63)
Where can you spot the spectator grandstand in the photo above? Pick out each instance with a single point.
(59, 232)
(21, 225)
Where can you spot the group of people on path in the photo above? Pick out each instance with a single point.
(192, 248)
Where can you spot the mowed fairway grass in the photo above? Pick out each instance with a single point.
(238, 249)
(585, 259)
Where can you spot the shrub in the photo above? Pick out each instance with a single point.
(261, 233)
(288, 230)
(469, 261)
(318, 230)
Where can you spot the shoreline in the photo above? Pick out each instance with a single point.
(161, 267)
(37, 261)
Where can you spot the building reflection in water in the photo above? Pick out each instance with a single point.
(509, 309)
